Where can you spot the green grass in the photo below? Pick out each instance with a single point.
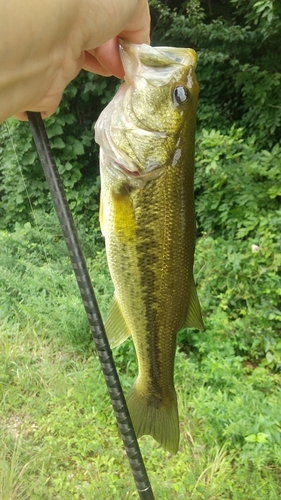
(58, 436)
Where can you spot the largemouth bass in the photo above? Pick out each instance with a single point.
(146, 138)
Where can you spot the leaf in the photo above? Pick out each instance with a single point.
(54, 130)
(78, 148)
(260, 437)
(269, 357)
(58, 143)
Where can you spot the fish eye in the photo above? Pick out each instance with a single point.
(181, 94)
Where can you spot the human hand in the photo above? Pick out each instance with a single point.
(55, 40)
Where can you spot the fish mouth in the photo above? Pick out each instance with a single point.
(159, 62)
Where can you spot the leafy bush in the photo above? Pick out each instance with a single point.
(71, 135)
(240, 292)
(237, 187)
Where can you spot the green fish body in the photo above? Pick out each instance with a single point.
(146, 135)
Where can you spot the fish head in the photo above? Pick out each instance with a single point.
(143, 128)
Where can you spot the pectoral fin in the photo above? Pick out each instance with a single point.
(115, 325)
(194, 316)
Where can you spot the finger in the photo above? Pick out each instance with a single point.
(45, 106)
(138, 30)
(129, 17)
(21, 116)
(45, 114)
(91, 64)
(105, 60)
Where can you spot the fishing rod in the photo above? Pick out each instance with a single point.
(91, 307)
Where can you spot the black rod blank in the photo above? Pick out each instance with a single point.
(91, 307)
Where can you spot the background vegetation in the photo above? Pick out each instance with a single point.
(57, 434)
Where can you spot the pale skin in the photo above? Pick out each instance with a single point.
(44, 44)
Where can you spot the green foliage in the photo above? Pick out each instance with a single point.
(59, 439)
(53, 401)
(11, 470)
(237, 186)
(71, 135)
(37, 278)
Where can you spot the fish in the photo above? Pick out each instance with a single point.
(146, 136)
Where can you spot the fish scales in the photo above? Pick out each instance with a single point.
(148, 220)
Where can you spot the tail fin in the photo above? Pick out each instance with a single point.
(150, 416)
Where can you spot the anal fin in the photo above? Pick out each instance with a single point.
(115, 325)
